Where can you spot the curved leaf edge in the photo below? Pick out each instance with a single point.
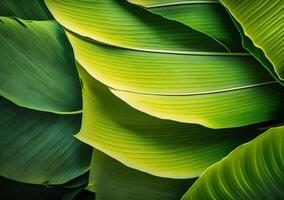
(260, 50)
(19, 102)
(239, 148)
(166, 18)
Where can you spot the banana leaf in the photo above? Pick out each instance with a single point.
(110, 179)
(37, 66)
(262, 22)
(185, 88)
(166, 81)
(252, 171)
(27, 9)
(122, 24)
(21, 191)
(257, 52)
(39, 147)
(152, 3)
(159, 147)
(208, 17)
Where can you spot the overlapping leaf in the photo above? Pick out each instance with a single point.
(262, 21)
(233, 108)
(37, 66)
(252, 171)
(122, 24)
(186, 88)
(22, 191)
(166, 74)
(39, 147)
(209, 17)
(159, 81)
(17, 190)
(77, 182)
(152, 3)
(112, 180)
(28, 9)
(160, 147)
(158, 66)
(257, 53)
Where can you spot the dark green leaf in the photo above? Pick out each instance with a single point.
(25, 9)
(112, 180)
(39, 147)
(37, 66)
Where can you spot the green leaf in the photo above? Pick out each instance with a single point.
(12, 190)
(37, 66)
(138, 140)
(185, 88)
(208, 17)
(257, 53)
(78, 181)
(120, 23)
(79, 194)
(112, 180)
(252, 171)
(28, 9)
(152, 3)
(171, 78)
(39, 147)
(221, 109)
(167, 74)
(262, 21)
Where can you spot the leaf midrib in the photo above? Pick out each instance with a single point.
(85, 38)
(199, 93)
(180, 3)
(197, 53)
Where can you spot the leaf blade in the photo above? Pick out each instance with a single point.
(137, 139)
(129, 26)
(262, 22)
(235, 108)
(252, 171)
(37, 66)
(208, 17)
(112, 180)
(165, 85)
(31, 9)
(39, 147)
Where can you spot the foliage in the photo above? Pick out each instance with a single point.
(141, 100)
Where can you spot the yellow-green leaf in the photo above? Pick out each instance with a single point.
(120, 23)
(207, 16)
(159, 147)
(252, 171)
(262, 21)
(185, 88)
(110, 179)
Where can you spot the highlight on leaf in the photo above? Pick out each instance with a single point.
(138, 140)
(252, 171)
(141, 100)
(262, 21)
